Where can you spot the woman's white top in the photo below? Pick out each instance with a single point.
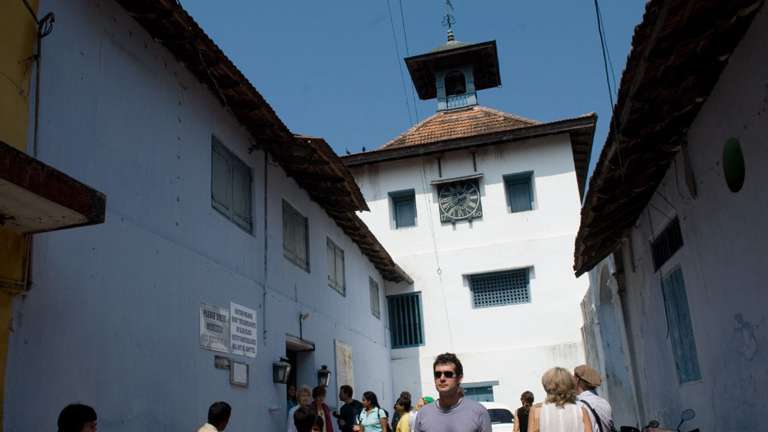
(291, 426)
(567, 418)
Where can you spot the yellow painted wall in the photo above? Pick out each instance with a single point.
(17, 42)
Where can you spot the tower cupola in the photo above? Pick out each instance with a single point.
(455, 71)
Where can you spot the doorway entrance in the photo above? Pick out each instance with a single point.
(301, 355)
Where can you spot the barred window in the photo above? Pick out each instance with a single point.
(405, 320)
(500, 288)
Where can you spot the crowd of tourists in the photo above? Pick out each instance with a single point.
(571, 405)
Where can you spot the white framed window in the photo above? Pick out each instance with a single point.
(519, 189)
(230, 186)
(404, 208)
(295, 237)
(335, 267)
(373, 287)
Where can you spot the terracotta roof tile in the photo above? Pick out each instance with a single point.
(448, 125)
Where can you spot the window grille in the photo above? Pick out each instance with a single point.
(373, 287)
(519, 192)
(405, 320)
(669, 241)
(230, 186)
(335, 267)
(482, 394)
(404, 208)
(500, 288)
(680, 328)
(295, 237)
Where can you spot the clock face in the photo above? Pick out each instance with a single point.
(459, 201)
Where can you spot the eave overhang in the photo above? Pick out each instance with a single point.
(309, 161)
(482, 55)
(678, 53)
(35, 197)
(580, 129)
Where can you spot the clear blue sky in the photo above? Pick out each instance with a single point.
(330, 68)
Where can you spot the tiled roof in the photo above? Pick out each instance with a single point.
(448, 125)
(309, 161)
(678, 53)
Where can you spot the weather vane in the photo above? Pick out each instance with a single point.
(449, 20)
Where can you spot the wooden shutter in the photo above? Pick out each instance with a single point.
(221, 179)
(241, 195)
(680, 327)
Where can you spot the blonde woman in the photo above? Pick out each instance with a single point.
(304, 396)
(559, 413)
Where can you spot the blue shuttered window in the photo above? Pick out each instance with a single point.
(230, 185)
(680, 328)
(405, 320)
(373, 288)
(336, 279)
(519, 188)
(295, 237)
(500, 288)
(404, 208)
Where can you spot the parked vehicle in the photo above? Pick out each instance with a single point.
(502, 417)
(654, 426)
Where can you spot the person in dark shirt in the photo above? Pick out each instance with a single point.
(521, 414)
(349, 411)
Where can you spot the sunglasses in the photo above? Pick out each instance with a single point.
(447, 374)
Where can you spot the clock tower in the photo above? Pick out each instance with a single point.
(455, 71)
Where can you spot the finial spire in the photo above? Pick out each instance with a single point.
(449, 20)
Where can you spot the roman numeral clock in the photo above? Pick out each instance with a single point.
(459, 200)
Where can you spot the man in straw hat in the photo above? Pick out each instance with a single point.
(587, 380)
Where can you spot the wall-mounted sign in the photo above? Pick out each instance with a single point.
(238, 374)
(344, 371)
(243, 335)
(214, 328)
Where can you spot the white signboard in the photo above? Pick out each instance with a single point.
(214, 328)
(344, 370)
(243, 335)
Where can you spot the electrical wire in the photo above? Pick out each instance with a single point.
(601, 24)
(608, 69)
(604, 49)
(397, 60)
(408, 54)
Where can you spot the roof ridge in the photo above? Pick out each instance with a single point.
(508, 115)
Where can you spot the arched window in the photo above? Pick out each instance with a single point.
(455, 84)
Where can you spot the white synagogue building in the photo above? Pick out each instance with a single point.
(481, 209)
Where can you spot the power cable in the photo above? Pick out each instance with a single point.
(408, 54)
(607, 63)
(601, 24)
(397, 60)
